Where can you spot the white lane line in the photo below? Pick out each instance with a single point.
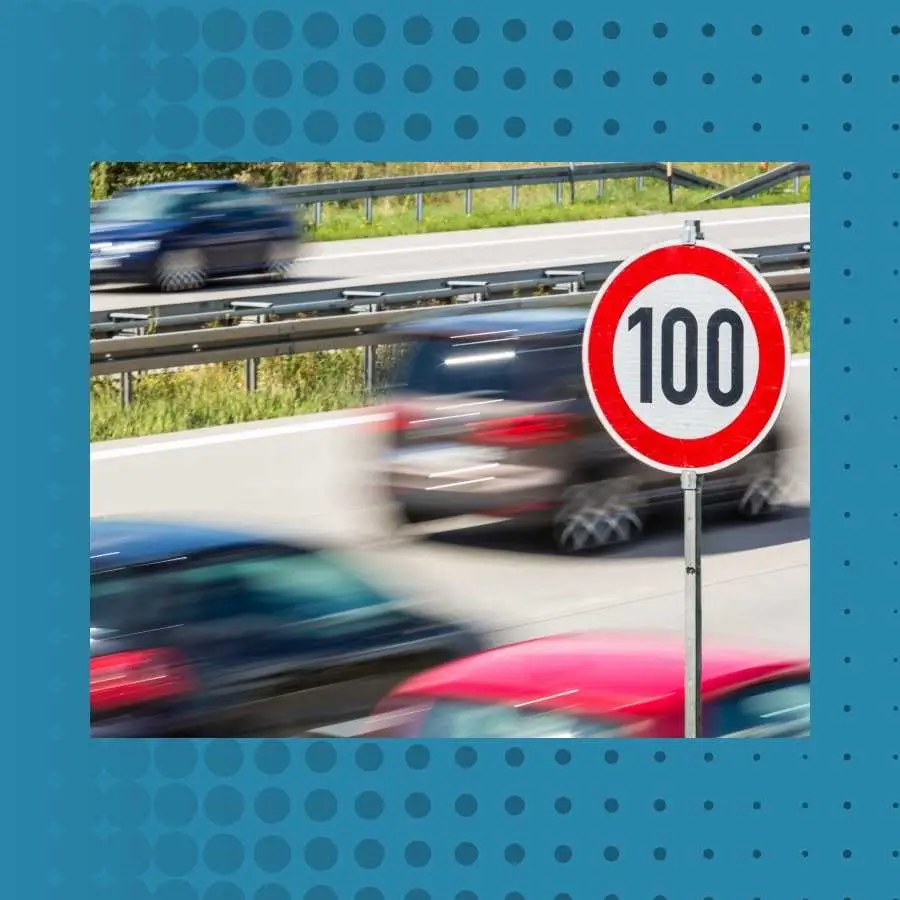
(544, 238)
(233, 437)
(302, 426)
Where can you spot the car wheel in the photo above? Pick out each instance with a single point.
(281, 257)
(763, 492)
(597, 515)
(181, 270)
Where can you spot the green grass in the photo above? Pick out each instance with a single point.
(287, 386)
(536, 206)
(445, 212)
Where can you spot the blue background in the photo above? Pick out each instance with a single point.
(539, 821)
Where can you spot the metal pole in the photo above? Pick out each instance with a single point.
(420, 207)
(468, 202)
(126, 379)
(670, 184)
(692, 486)
(369, 361)
(250, 371)
(368, 210)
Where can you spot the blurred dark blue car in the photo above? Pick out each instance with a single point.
(205, 632)
(176, 236)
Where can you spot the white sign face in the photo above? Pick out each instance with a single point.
(704, 356)
(686, 357)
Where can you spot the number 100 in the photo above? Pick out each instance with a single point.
(643, 319)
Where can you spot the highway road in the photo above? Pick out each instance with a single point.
(306, 477)
(345, 264)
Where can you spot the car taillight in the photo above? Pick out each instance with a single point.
(525, 431)
(133, 677)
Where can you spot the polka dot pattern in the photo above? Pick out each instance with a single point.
(279, 820)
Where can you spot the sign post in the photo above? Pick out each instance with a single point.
(692, 486)
(686, 359)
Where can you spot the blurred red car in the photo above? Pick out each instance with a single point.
(599, 685)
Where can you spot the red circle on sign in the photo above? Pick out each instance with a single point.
(735, 440)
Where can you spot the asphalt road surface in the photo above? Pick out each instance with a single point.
(307, 477)
(345, 264)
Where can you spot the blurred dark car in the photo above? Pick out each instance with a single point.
(176, 236)
(489, 415)
(201, 632)
(615, 685)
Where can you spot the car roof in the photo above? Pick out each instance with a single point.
(597, 673)
(121, 542)
(527, 322)
(209, 185)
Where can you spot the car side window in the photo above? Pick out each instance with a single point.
(778, 708)
(228, 202)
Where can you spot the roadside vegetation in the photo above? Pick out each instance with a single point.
(286, 386)
(445, 212)
(320, 382)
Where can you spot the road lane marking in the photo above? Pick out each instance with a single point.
(603, 232)
(233, 437)
(303, 426)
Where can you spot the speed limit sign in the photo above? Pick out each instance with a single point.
(686, 358)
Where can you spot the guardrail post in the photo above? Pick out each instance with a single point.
(126, 385)
(317, 213)
(639, 183)
(482, 289)
(420, 207)
(251, 368)
(468, 201)
(514, 197)
(576, 284)
(600, 186)
(559, 192)
(369, 350)
(369, 206)
(796, 184)
(251, 365)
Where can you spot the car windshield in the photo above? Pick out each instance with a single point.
(470, 721)
(311, 587)
(145, 205)
(513, 369)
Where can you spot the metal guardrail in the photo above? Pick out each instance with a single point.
(112, 356)
(369, 189)
(481, 287)
(763, 182)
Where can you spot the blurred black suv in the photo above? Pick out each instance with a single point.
(489, 415)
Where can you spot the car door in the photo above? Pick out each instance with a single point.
(271, 225)
(778, 707)
(227, 228)
(283, 640)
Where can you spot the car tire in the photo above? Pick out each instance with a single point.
(181, 270)
(280, 259)
(597, 514)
